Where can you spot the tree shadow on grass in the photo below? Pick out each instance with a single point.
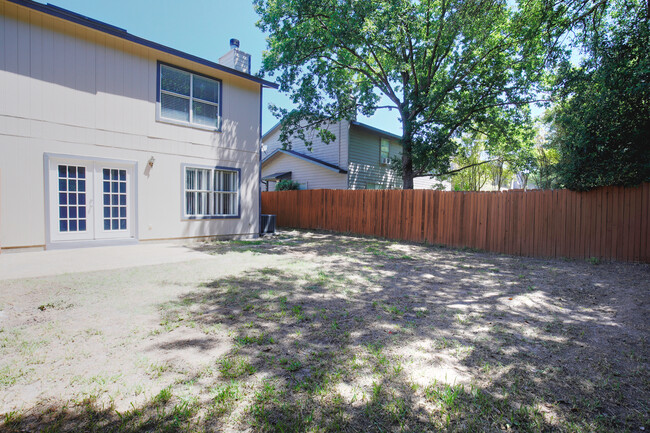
(399, 339)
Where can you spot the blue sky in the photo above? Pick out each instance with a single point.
(202, 28)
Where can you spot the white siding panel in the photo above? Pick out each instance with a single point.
(58, 89)
(86, 83)
(333, 153)
(310, 176)
(23, 70)
(36, 84)
(9, 81)
(101, 120)
(68, 90)
(2, 36)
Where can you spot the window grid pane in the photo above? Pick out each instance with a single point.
(385, 148)
(114, 198)
(72, 198)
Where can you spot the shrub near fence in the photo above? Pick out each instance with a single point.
(608, 223)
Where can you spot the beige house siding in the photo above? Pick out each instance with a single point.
(309, 175)
(70, 90)
(334, 153)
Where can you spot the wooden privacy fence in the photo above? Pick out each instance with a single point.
(609, 223)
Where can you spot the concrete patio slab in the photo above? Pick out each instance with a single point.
(57, 262)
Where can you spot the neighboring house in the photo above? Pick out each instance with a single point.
(108, 138)
(359, 158)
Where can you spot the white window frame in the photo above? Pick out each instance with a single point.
(94, 233)
(189, 98)
(384, 159)
(213, 201)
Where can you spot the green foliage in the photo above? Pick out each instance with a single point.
(545, 161)
(500, 173)
(601, 127)
(495, 156)
(442, 65)
(287, 185)
(470, 155)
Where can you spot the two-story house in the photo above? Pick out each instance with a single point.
(359, 158)
(109, 138)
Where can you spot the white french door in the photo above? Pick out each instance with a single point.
(90, 200)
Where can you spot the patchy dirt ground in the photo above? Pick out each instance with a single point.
(312, 331)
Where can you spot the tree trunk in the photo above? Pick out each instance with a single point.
(407, 149)
(499, 176)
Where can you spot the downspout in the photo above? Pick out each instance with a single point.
(259, 167)
(339, 164)
(347, 185)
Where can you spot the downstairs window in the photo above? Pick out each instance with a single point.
(211, 192)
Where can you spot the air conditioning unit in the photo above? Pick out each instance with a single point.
(385, 161)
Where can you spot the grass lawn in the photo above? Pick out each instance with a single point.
(316, 332)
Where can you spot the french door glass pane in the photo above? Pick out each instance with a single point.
(115, 199)
(72, 198)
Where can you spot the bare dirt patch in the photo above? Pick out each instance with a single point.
(312, 331)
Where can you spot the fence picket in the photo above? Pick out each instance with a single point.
(611, 223)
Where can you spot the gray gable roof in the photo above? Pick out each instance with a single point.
(354, 122)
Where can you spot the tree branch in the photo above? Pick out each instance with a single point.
(466, 167)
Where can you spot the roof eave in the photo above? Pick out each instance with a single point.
(123, 34)
(375, 130)
(272, 130)
(310, 160)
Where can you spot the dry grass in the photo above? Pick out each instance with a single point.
(341, 333)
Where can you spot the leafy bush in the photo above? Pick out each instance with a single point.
(601, 126)
(287, 185)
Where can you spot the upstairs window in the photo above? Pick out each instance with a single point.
(384, 157)
(189, 98)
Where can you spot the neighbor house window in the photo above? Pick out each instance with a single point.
(385, 149)
(211, 192)
(189, 98)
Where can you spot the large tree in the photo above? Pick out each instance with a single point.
(442, 65)
(601, 126)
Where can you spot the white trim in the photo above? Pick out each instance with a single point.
(385, 160)
(284, 152)
(90, 243)
(93, 236)
(190, 100)
(54, 205)
(211, 194)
